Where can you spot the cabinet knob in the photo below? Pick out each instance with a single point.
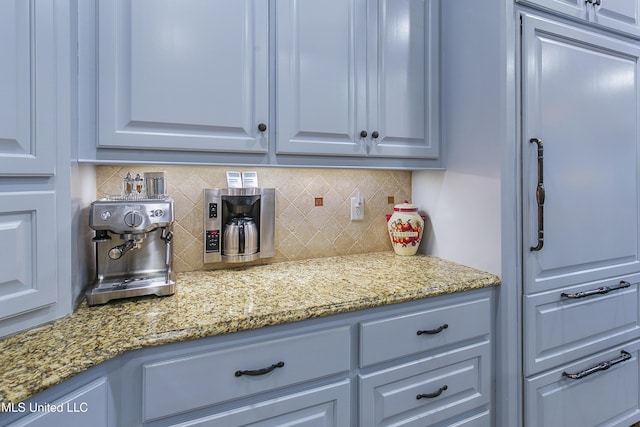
(363, 134)
(375, 134)
(262, 127)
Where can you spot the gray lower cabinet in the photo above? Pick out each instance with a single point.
(448, 375)
(318, 372)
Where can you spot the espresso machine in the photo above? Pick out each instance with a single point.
(239, 224)
(133, 249)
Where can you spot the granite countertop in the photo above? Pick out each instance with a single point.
(209, 303)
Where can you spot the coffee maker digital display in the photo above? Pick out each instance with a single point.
(239, 224)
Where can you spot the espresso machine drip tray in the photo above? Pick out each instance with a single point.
(106, 290)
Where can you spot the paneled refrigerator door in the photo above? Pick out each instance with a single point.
(580, 117)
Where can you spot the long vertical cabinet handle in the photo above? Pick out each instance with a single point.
(540, 194)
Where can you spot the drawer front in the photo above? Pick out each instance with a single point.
(327, 406)
(454, 382)
(186, 383)
(560, 329)
(604, 398)
(395, 337)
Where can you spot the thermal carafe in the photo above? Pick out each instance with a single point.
(239, 224)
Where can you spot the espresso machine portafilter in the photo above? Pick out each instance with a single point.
(133, 249)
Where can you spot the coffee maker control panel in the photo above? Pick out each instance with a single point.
(212, 243)
(239, 224)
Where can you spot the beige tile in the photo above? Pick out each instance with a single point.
(302, 229)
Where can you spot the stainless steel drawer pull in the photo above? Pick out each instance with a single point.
(602, 290)
(599, 367)
(433, 331)
(540, 194)
(260, 371)
(432, 395)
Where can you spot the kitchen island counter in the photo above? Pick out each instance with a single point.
(209, 303)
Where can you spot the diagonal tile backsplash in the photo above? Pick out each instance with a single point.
(303, 230)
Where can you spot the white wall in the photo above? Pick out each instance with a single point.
(463, 202)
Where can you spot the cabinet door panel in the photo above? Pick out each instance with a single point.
(187, 75)
(396, 337)
(327, 406)
(304, 357)
(560, 329)
(459, 381)
(319, 97)
(403, 101)
(580, 99)
(27, 225)
(605, 398)
(618, 15)
(27, 88)
(623, 15)
(86, 406)
(575, 8)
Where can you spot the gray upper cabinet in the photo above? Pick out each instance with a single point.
(618, 15)
(365, 85)
(189, 75)
(27, 88)
(293, 83)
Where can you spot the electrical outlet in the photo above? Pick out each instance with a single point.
(357, 208)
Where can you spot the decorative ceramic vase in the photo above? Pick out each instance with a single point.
(405, 227)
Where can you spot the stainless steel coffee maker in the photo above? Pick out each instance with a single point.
(239, 224)
(133, 249)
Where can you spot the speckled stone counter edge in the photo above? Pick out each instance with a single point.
(210, 303)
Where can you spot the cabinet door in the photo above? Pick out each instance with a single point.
(188, 75)
(28, 262)
(580, 98)
(402, 78)
(284, 362)
(618, 15)
(448, 385)
(576, 8)
(622, 15)
(87, 406)
(321, 62)
(601, 396)
(559, 329)
(327, 406)
(27, 88)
